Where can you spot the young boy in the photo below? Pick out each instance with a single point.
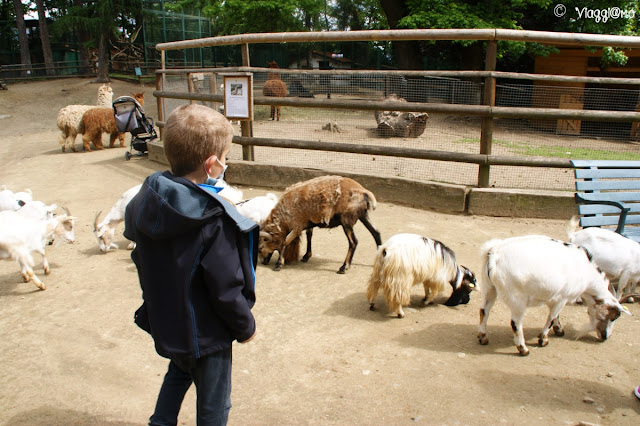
(196, 258)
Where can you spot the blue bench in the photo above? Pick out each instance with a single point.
(608, 195)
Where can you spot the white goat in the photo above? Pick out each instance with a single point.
(8, 200)
(20, 236)
(37, 210)
(24, 196)
(105, 231)
(228, 192)
(405, 260)
(617, 256)
(258, 208)
(13, 201)
(535, 270)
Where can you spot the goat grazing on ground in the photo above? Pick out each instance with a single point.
(325, 202)
(97, 121)
(616, 255)
(105, 230)
(258, 208)
(535, 270)
(274, 87)
(405, 260)
(70, 116)
(21, 235)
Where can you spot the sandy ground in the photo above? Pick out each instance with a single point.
(72, 355)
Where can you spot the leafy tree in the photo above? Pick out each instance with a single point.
(587, 16)
(103, 21)
(358, 15)
(511, 14)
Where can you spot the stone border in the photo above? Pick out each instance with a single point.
(440, 197)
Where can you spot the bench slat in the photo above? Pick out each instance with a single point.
(606, 221)
(605, 163)
(603, 185)
(604, 209)
(607, 173)
(628, 197)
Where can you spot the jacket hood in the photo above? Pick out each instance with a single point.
(168, 206)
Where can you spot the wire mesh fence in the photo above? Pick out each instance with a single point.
(565, 139)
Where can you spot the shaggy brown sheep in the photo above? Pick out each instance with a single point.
(274, 87)
(325, 202)
(97, 121)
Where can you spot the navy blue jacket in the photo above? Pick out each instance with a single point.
(196, 258)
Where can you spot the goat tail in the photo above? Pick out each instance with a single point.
(572, 226)
(488, 260)
(393, 276)
(292, 251)
(370, 200)
(375, 280)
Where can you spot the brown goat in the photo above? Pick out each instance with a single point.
(325, 202)
(97, 121)
(274, 87)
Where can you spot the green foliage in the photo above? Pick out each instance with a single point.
(358, 15)
(108, 17)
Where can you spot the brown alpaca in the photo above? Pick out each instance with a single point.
(97, 121)
(274, 87)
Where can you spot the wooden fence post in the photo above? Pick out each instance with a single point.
(245, 125)
(160, 86)
(486, 134)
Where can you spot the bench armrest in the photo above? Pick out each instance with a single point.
(580, 199)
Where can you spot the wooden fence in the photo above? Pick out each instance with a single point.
(488, 111)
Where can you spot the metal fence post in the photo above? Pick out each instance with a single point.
(486, 134)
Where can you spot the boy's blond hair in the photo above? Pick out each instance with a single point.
(192, 134)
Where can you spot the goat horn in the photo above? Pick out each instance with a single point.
(95, 221)
(265, 234)
(66, 210)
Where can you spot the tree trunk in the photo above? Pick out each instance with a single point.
(103, 60)
(400, 124)
(44, 38)
(407, 53)
(25, 56)
(83, 37)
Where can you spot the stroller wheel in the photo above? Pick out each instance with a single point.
(127, 156)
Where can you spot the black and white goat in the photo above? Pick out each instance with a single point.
(405, 260)
(537, 270)
(21, 235)
(617, 256)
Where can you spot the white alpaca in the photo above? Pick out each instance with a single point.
(69, 117)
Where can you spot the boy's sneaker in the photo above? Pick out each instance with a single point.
(636, 392)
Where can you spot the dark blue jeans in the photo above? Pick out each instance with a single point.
(212, 377)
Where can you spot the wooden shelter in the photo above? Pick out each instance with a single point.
(580, 62)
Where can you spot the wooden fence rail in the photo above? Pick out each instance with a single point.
(488, 111)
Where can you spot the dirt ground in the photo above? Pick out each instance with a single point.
(71, 354)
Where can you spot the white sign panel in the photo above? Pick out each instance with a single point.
(238, 99)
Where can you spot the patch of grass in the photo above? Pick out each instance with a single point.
(552, 151)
